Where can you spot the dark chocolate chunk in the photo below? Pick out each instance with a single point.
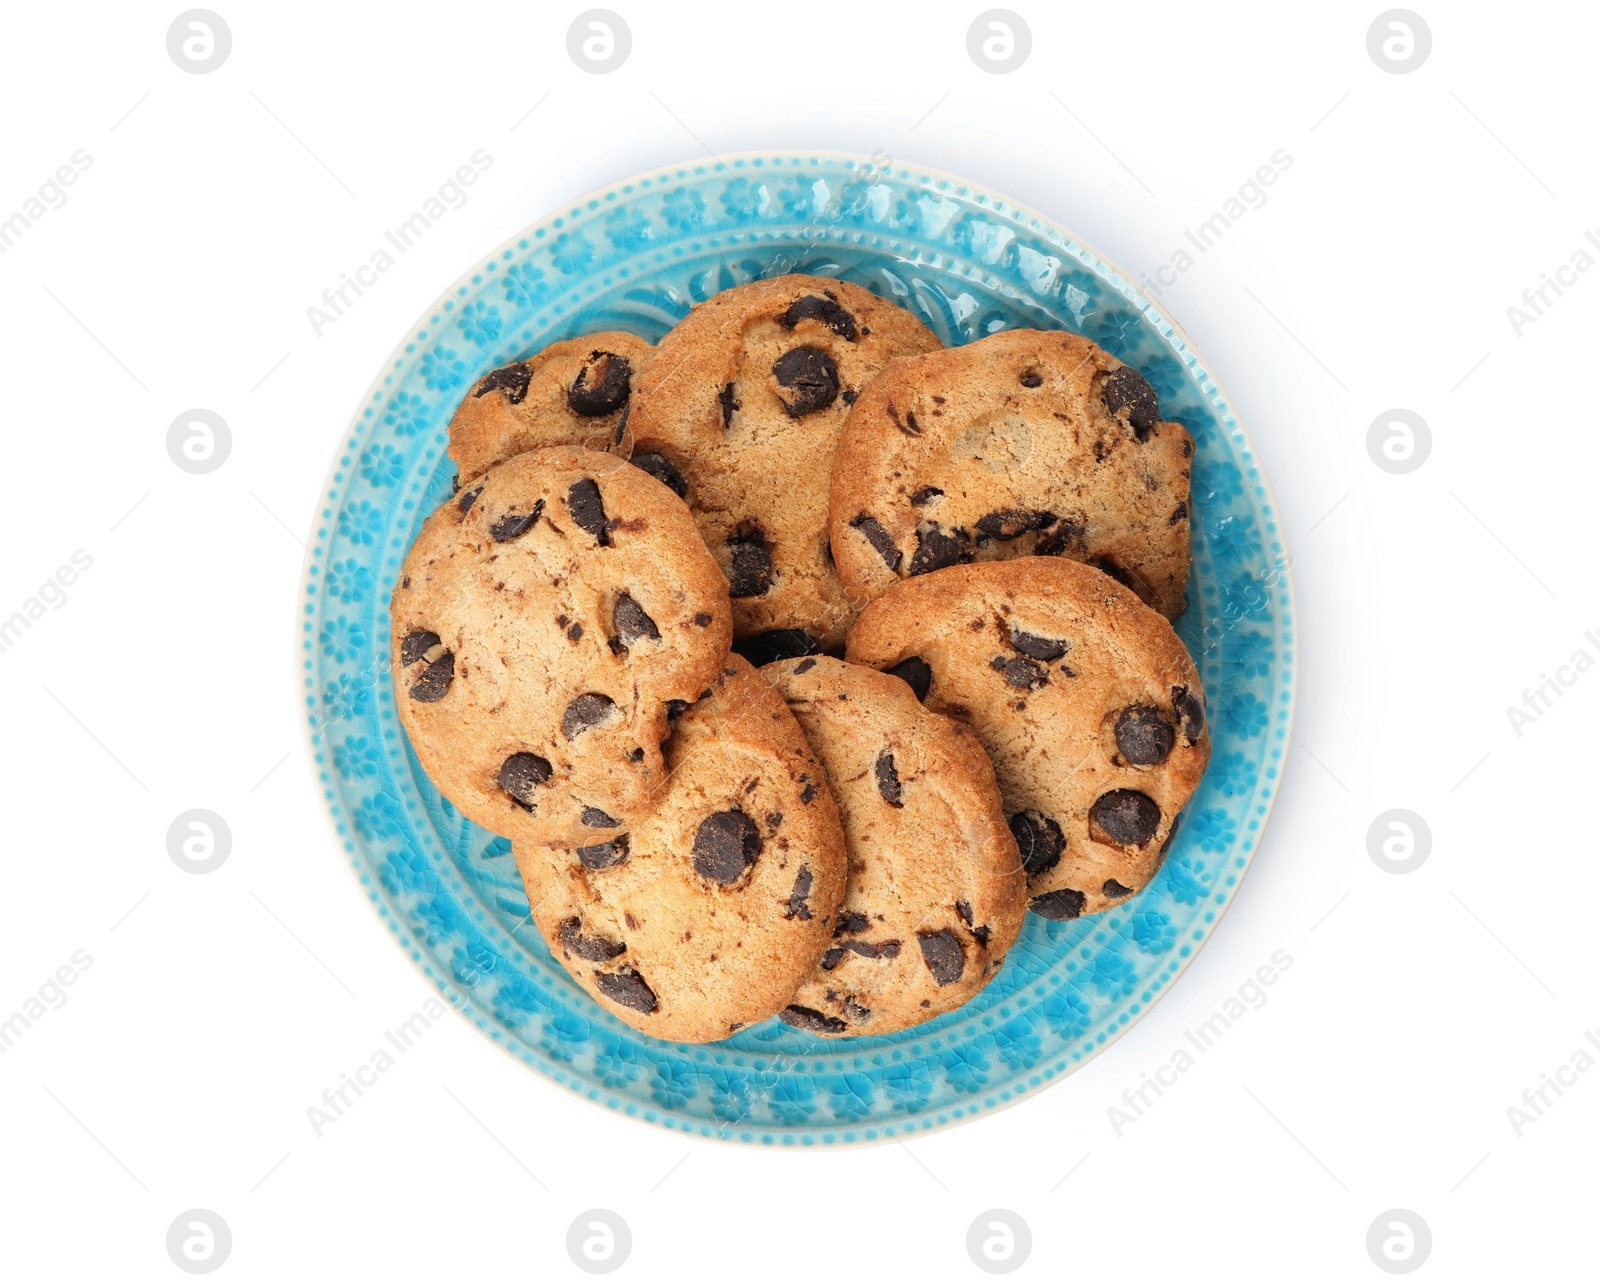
(599, 819)
(1179, 513)
(675, 709)
(797, 908)
(816, 308)
(776, 644)
(1065, 534)
(1144, 736)
(1063, 903)
(513, 379)
(964, 909)
(628, 989)
(1191, 710)
(1008, 524)
(1040, 842)
(729, 404)
(417, 644)
(879, 538)
(575, 633)
(942, 953)
(468, 498)
(434, 681)
(925, 495)
(915, 672)
(520, 775)
(888, 781)
(663, 470)
(588, 509)
(595, 949)
(1030, 379)
(1024, 675)
(809, 793)
(805, 666)
(622, 427)
(628, 618)
(601, 856)
(832, 958)
(1112, 888)
(851, 921)
(1126, 817)
(726, 845)
(808, 1019)
(1127, 390)
(585, 712)
(938, 548)
(834, 955)
(1036, 646)
(510, 525)
(601, 386)
(752, 573)
(703, 618)
(811, 378)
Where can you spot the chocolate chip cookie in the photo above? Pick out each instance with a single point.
(546, 622)
(707, 914)
(1027, 442)
(1089, 706)
(573, 393)
(740, 409)
(936, 893)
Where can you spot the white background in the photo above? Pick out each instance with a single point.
(1418, 1008)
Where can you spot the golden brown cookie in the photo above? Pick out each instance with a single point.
(1024, 442)
(743, 401)
(545, 620)
(936, 892)
(1089, 706)
(708, 913)
(573, 393)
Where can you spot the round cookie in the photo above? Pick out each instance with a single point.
(743, 403)
(574, 393)
(711, 910)
(1024, 442)
(1089, 706)
(545, 621)
(936, 892)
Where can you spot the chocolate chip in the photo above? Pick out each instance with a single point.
(1125, 817)
(1024, 675)
(1179, 513)
(513, 379)
(729, 404)
(602, 856)
(675, 709)
(468, 499)
(832, 958)
(964, 909)
(1144, 736)
(850, 921)
(1040, 648)
(585, 712)
(908, 426)
(726, 845)
(805, 666)
(1065, 534)
(628, 989)
(1030, 379)
(915, 672)
(807, 794)
(834, 955)
(628, 618)
(601, 386)
(521, 774)
(1040, 842)
(878, 537)
(434, 681)
(811, 377)
(942, 953)
(808, 1019)
(980, 934)
(599, 819)
(510, 525)
(797, 908)
(1113, 889)
(854, 1011)
(703, 618)
(663, 470)
(938, 548)
(777, 644)
(925, 495)
(752, 573)
(622, 427)
(588, 509)
(595, 949)
(417, 644)
(815, 308)
(575, 633)
(1063, 903)
(1127, 390)
(848, 396)
(1008, 524)
(888, 782)
(1191, 710)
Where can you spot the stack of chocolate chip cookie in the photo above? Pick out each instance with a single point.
(955, 569)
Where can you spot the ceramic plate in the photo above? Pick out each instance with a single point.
(636, 257)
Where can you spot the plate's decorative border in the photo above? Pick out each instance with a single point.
(637, 256)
